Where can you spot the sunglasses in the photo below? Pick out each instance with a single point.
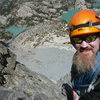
(88, 39)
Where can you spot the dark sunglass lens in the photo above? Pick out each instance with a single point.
(90, 38)
(77, 40)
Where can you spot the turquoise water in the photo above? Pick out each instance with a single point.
(67, 16)
(16, 30)
(95, 5)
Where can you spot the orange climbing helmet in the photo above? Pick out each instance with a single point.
(84, 22)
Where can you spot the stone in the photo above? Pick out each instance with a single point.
(80, 4)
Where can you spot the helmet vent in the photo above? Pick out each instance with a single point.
(98, 17)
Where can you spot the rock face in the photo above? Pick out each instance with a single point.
(7, 62)
(19, 83)
(80, 4)
(26, 13)
(32, 12)
(40, 34)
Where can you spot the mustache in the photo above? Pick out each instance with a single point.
(85, 49)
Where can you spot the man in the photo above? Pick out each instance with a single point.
(85, 72)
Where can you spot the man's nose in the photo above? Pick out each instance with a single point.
(84, 44)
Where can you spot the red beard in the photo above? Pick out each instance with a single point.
(84, 62)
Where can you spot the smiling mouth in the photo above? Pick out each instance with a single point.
(87, 52)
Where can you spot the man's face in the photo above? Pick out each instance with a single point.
(88, 49)
(85, 56)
